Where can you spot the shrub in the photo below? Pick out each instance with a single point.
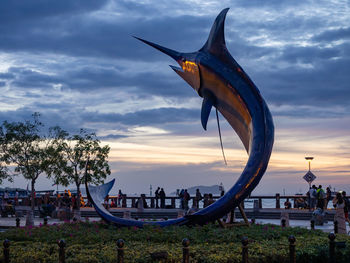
(96, 243)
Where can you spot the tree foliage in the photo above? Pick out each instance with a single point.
(25, 149)
(75, 152)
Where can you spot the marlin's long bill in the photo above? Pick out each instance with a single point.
(223, 84)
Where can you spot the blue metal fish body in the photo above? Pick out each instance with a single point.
(223, 84)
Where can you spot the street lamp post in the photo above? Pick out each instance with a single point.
(309, 159)
(309, 177)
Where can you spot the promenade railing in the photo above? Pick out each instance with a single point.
(256, 201)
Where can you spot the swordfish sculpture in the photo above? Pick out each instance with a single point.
(214, 74)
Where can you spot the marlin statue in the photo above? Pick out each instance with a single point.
(222, 83)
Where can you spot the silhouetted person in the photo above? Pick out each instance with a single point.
(156, 193)
(312, 197)
(198, 197)
(120, 196)
(320, 197)
(205, 200)
(187, 198)
(339, 205)
(328, 196)
(287, 205)
(66, 203)
(162, 198)
(74, 202)
(210, 199)
(182, 202)
(141, 203)
(346, 206)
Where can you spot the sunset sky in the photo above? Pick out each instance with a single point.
(77, 63)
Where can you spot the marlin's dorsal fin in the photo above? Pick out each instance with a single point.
(206, 108)
(216, 40)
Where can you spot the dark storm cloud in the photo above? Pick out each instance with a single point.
(83, 35)
(325, 85)
(309, 54)
(314, 76)
(151, 117)
(333, 35)
(7, 75)
(91, 78)
(18, 11)
(266, 3)
(151, 83)
(25, 78)
(71, 119)
(75, 30)
(67, 118)
(112, 38)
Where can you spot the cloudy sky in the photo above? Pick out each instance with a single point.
(77, 64)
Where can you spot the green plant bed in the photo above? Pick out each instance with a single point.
(96, 243)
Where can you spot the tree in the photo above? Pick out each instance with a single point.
(24, 148)
(75, 153)
(4, 172)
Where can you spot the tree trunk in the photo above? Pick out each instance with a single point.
(33, 196)
(77, 213)
(30, 213)
(78, 197)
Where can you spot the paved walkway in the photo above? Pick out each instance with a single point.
(327, 227)
(10, 222)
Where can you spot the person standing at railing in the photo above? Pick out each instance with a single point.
(339, 205)
(198, 198)
(287, 204)
(120, 196)
(162, 198)
(205, 200)
(313, 195)
(346, 206)
(187, 198)
(82, 203)
(156, 194)
(181, 196)
(328, 196)
(320, 197)
(106, 202)
(66, 205)
(210, 199)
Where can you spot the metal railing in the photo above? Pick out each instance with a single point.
(121, 250)
(274, 201)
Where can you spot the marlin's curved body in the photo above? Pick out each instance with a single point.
(222, 83)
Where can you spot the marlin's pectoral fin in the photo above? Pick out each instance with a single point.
(206, 108)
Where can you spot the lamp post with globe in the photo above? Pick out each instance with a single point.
(309, 159)
(309, 177)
